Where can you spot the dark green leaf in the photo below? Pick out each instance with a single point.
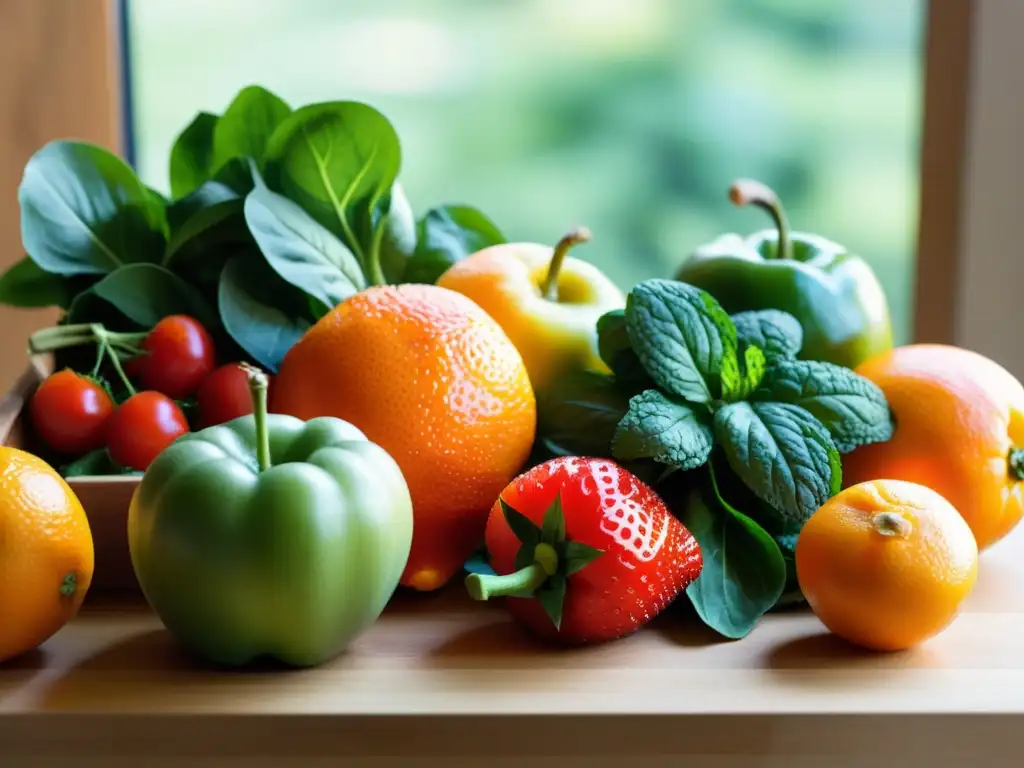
(552, 598)
(192, 155)
(95, 463)
(657, 427)
(743, 574)
(246, 126)
(681, 336)
(145, 293)
(448, 234)
(24, 284)
(520, 525)
(852, 408)
(616, 351)
(209, 194)
(337, 161)
(202, 245)
(553, 530)
(578, 556)
(740, 380)
(302, 251)
(777, 333)
(782, 453)
(260, 311)
(83, 211)
(578, 413)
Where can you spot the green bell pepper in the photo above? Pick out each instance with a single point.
(834, 295)
(269, 536)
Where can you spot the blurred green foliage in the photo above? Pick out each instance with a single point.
(630, 116)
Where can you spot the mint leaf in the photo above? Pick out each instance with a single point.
(777, 333)
(852, 408)
(616, 350)
(744, 572)
(681, 336)
(657, 427)
(739, 381)
(782, 453)
(578, 413)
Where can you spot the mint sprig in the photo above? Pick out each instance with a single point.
(732, 387)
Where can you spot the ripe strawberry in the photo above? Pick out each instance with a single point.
(584, 551)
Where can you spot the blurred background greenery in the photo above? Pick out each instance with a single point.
(630, 116)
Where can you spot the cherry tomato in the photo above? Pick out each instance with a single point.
(224, 395)
(177, 355)
(142, 426)
(70, 412)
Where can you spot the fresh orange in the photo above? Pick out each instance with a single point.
(886, 564)
(959, 430)
(46, 552)
(429, 376)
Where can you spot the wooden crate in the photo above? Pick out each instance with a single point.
(104, 498)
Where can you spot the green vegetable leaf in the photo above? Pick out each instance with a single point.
(681, 336)
(553, 530)
(551, 596)
(146, 293)
(744, 572)
(202, 245)
(520, 525)
(246, 126)
(578, 556)
(777, 333)
(660, 428)
(616, 350)
(782, 453)
(448, 234)
(95, 463)
(192, 155)
(738, 382)
(260, 311)
(852, 408)
(302, 251)
(337, 161)
(578, 413)
(26, 285)
(83, 211)
(398, 234)
(205, 196)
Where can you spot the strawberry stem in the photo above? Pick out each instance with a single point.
(521, 583)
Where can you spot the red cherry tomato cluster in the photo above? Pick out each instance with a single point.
(75, 414)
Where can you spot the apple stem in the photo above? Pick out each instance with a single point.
(549, 289)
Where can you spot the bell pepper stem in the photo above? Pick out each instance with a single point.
(751, 192)
(549, 288)
(258, 389)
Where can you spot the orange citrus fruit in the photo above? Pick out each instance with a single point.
(886, 564)
(46, 552)
(429, 376)
(959, 430)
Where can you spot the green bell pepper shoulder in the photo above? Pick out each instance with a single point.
(834, 294)
(270, 537)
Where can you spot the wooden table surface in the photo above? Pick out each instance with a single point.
(441, 677)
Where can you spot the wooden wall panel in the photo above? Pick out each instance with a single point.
(59, 78)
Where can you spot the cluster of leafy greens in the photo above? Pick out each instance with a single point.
(275, 215)
(747, 438)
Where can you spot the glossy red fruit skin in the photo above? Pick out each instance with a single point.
(178, 353)
(638, 575)
(224, 395)
(71, 413)
(141, 427)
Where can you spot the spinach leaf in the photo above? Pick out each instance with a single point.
(616, 350)
(205, 196)
(681, 336)
(83, 211)
(744, 572)
(660, 428)
(301, 250)
(250, 298)
(247, 125)
(777, 333)
(577, 415)
(192, 155)
(852, 408)
(336, 160)
(447, 234)
(782, 453)
(398, 236)
(146, 293)
(26, 285)
(202, 245)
